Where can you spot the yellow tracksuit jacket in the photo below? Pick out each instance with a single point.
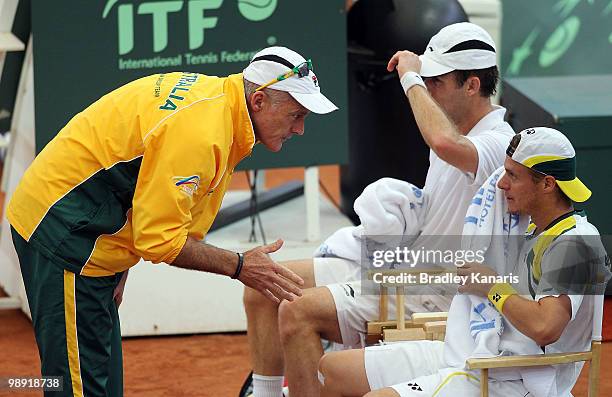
(135, 173)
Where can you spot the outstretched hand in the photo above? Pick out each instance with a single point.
(274, 281)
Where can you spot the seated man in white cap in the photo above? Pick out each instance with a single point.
(140, 174)
(549, 309)
(467, 135)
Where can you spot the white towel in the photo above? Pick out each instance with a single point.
(388, 208)
(490, 227)
(488, 216)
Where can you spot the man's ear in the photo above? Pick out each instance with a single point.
(550, 183)
(473, 85)
(256, 100)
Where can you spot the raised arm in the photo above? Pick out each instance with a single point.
(438, 131)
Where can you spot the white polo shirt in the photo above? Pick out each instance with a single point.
(450, 190)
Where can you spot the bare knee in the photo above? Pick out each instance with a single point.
(343, 373)
(254, 300)
(313, 312)
(326, 366)
(386, 392)
(330, 374)
(292, 318)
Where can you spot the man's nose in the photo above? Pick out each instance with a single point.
(298, 128)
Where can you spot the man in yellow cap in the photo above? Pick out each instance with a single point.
(550, 310)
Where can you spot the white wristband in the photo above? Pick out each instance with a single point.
(409, 79)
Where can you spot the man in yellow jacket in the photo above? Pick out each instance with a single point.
(141, 173)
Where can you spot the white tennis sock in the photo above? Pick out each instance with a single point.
(267, 386)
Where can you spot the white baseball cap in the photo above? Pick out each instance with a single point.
(460, 46)
(548, 151)
(272, 62)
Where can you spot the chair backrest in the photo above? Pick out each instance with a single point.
(598, 306)
(595, 368)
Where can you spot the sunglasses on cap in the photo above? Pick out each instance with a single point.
(301, 70)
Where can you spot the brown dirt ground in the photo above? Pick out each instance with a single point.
(198, 365)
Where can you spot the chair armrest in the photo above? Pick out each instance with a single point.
(422, 318)
(435, 326)
(527, 360)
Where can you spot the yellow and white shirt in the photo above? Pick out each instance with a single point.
(135, 173)
(567, 258)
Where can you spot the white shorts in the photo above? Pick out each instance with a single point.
(417, 369)
(335, 270)
(354, 309)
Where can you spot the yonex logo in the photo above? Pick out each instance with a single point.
(414, 386)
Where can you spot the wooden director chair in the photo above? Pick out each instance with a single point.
(420, 326)
(432, 326)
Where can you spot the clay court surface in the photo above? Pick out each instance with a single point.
(196, 365)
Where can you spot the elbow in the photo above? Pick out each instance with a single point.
(545, 336)
(153, 254)
(158, 252)
(442, 146)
